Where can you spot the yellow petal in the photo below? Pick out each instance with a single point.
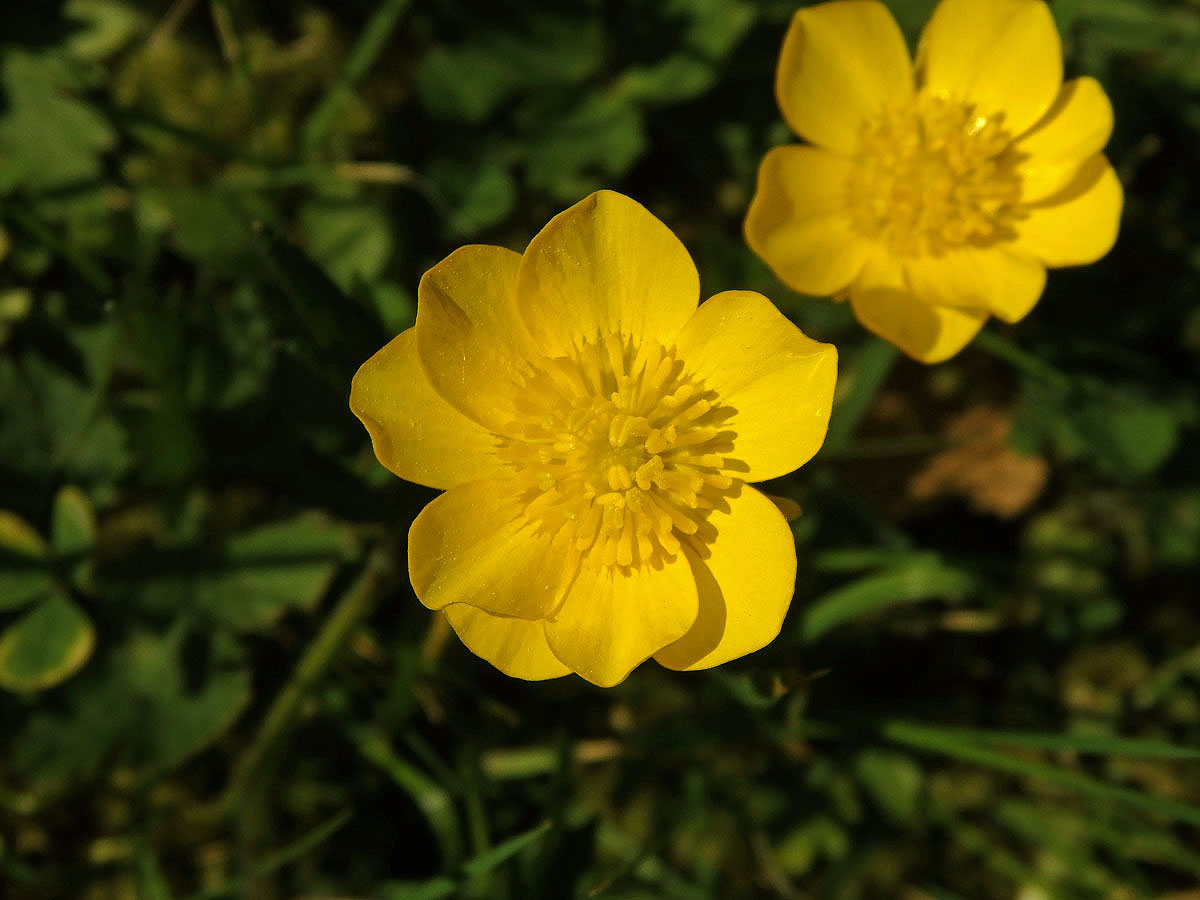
(1076, 128)
(925, 332)
(516, 647)
(470, 337)
(1004, 56)
(416, 434)
(611, 620)
(745, 584)
(605, 266)
(473, 544)
(842, 64)
(779, 381)
(1000, 279)
(1079, 224)
(798, 222)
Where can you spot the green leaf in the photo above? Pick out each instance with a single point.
(396, 307)
(179, 720)
(56, 424)
(267, 571)
(74, 533)
(136, 708)
(210, 226)
(45, 646)
(24, 571)
(575, 150)
(48, 138)
(713, 29)
(481, 195)
(338, 332)
(350, 239)
(1065, 13)
(107, 27)
(152, 882)
(925, 579)
(893, 780)
(470, 81)
(1121, 429)
(821, 837)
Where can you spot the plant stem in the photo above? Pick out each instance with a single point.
(1002, 348)
(351, 609)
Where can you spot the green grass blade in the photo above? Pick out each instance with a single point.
(502, 852)
(431, 798)
(910, 583)
(304, 845)
(1104, 745)
(858, 388)
(936, 740)
(364, 53)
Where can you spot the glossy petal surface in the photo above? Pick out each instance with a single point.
(841, 65)
(473, 545)
(779, 381)
(470, 337)
(516, 647)
(1003, 280)
(925, 332)
(415, 433)
(1004, 56)
(745, 582)
(605, 266)
(612, 621)
(1079, 224)
(1075, 129)
(798, 222)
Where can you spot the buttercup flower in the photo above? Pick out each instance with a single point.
(933, 195)
(596, 435)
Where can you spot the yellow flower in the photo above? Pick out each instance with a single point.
(933, 194)
(595, 433)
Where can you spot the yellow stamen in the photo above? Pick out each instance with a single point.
(611, 453)
(932, 175)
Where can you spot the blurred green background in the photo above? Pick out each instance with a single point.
(214, 679)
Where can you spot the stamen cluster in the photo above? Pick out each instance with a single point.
(933, 174)
(620, 454)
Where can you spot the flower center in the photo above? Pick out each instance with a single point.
(619, 454)
(932, 175)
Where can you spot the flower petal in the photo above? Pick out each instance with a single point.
(925, 332)
(779, 382)
(1004, 280)
(1079, 224)
(470, 338)
(841, 65)
(1076, 128)
(612, 620)
(745, 583)
(605, 266)
(798, 222)
(1004, 56)
(416, 434)
(516, 647)
(473, 544)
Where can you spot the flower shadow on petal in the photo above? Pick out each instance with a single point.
(706, 633)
